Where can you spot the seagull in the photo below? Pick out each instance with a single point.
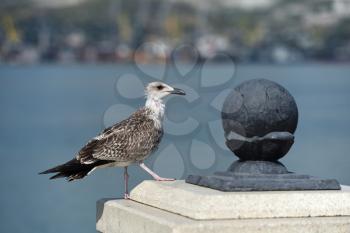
(128, 142)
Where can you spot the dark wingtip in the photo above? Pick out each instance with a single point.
(44, 172)
(52, 170)
(55, 169)
(59, 175)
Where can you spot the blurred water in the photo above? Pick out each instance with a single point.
(49, 112)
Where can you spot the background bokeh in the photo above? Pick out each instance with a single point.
(70, 68)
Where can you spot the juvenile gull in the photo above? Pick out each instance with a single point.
(127, 142)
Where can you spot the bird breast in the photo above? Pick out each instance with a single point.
(155, 111)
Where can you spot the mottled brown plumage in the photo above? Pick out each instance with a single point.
(126, 142)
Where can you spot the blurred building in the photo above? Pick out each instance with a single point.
(277, 31)
(327, 12)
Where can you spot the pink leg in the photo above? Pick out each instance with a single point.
(126, 188)
(153, 174)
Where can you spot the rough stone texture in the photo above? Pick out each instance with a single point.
(258, 167)
(261, 176)
(121, 216)
(256, 108)
(202, 203)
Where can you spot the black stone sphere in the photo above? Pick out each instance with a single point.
(257, 108)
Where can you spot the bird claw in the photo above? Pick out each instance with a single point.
(126, 196)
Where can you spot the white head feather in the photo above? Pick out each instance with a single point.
(155, 92)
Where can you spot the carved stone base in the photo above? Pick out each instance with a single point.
(261, 176)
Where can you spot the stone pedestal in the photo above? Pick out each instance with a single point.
(180, 207)
(261, 176)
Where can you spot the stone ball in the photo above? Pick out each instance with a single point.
(254, 109)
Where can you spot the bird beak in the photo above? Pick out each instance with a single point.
(177, 91)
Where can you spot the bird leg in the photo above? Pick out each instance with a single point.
(126, 188)
(153, 174)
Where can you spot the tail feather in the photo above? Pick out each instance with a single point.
(65, 166)
(58, 175)
(72, 169)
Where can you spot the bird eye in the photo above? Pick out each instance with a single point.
(160, 87)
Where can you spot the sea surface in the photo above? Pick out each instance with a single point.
(48, 112)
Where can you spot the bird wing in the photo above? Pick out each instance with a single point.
(123, 142)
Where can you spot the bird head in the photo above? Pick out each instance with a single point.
(159, 90)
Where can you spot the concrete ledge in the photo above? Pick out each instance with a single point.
(206, 204)
(120, 216)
